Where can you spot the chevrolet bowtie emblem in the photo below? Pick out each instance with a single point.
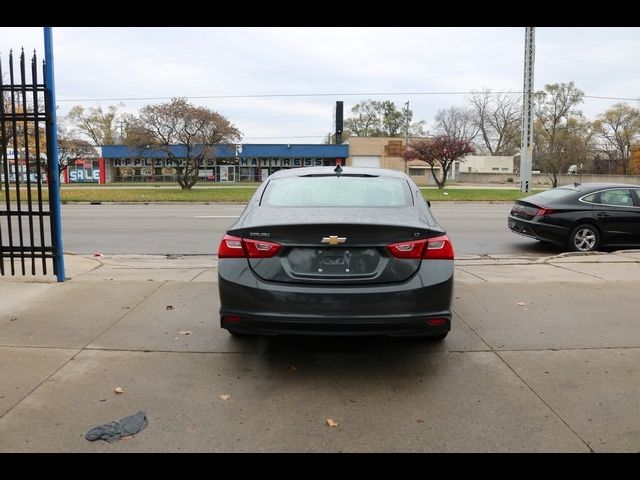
(333, 240)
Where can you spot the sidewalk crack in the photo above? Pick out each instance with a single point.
(473, 274)
(591, 450)
(78, 351)
(576, 271)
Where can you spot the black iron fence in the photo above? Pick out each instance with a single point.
(26, 240)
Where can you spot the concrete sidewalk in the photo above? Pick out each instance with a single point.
(623, 265)
(544, 355)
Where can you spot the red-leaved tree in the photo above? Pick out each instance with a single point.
(439, 153)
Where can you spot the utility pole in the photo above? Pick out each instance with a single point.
(526, 148)
(406, 141)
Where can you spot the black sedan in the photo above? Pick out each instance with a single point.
(332, 251)
(581, 217)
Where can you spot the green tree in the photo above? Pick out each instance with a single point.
(371, 118)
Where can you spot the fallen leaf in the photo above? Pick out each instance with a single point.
(225, 396)
(331, 422)
(98, 255)
(292, 368)
(521, 304)
(13, 319)
(185, 332)
(118, 390)
(445, 193)
(419, 420)
(169, 307)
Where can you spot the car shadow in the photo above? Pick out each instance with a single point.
(545, 248)
(339, 345)
(354, 361)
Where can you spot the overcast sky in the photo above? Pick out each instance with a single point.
(121, 63)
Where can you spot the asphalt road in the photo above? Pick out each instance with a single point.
(474, 227)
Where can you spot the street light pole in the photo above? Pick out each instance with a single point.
(526, 148)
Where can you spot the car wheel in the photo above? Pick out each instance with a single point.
(584, 238)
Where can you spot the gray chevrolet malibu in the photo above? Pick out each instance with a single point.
(336, 251)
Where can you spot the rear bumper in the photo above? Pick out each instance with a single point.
(541, 231)
(318, 326)
(271, 308)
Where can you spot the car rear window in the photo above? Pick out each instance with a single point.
(556, 193)
(337, 191)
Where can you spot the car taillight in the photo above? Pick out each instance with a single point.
(260, 248)
(436, 248)
(543, 211)
(231, 247)
(439, 248)
(237, 247)
(407, 249)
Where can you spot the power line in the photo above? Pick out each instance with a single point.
(637, 99)
(291, 95)
(277, 95)
(289, 136)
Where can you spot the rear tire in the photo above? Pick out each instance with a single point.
(584, 238)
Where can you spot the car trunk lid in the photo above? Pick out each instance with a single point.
(334, 245)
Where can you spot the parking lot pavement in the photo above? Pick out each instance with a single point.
(543, 356)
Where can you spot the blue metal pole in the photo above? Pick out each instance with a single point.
(52, 157)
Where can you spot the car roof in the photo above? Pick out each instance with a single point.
(586, 187)
(299, 172)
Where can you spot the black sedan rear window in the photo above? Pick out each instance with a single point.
(337, 191)
(556, 193)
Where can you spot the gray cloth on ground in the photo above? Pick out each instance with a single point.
(124, 427)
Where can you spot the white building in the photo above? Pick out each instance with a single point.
(486, 164)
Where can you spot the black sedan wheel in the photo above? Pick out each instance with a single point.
(584, 238)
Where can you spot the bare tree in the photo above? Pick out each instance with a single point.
(440, 151)
(196, 130)
(498, 120)
(555, 106)
(619, 129)
(71, 149)
(99, 126)
(456, 123)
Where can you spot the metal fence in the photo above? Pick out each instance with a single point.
(26, 240)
